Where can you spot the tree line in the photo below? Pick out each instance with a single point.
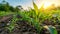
(4, 6)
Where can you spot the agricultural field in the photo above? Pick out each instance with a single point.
(33, 21)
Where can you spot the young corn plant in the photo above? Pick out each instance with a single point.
(36, 20)
(12, 24)
(37, 25)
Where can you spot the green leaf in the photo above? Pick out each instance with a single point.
(12, 24)
(42, 8)
(35, 8)
(51, 29)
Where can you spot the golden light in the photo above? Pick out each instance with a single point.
(46, 4)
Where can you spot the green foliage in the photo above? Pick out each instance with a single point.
(35, 8)
(13, 23)
(3, 13)
(51, 29)
(4, 6)
(35, 16)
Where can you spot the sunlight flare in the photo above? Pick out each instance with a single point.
(46, 4)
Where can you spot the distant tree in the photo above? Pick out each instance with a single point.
(18, 8)
(11, 9)
(4, 6)
(4, 2)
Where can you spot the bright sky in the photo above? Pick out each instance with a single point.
(28, 3)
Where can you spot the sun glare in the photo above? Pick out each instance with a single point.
(46, 4)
